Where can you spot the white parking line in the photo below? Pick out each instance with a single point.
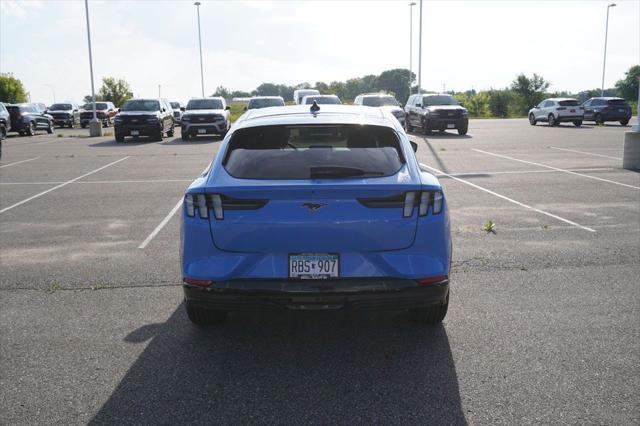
(18, 162)
(61, 185)
(161, 225)
(488, 191)
(586, 153)
(555, 168)
(101, 181)
(518, 172)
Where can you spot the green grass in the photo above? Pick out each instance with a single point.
(489, 227)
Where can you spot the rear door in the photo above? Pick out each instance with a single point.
(308, 189)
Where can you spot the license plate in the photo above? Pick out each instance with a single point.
(135, 132)
(314, 265)
(573, 110)
(202, 130)
(451, 126)
(621, 110)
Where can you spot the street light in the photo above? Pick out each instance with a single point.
(95, 126)
(604, 62)
(413, 3)
(420, 52)
(197, 5)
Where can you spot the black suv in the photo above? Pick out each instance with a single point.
(436, 112)
(64, 114)
(144, 117)
(26, 120)
(607, 109)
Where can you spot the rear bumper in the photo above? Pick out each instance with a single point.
(615, 116)
(437, 123)
(365, 293)
(569, 118)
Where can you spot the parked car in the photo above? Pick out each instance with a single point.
(144, 117)
(40, 107)
(316, 210)
(205, 116)
(557, 110)
(26, 120)
(64, 114)
(435, 112)
(105, 112)
(178, 109)
(384, 101)
(601, 110)
(321, 100)
(264, 101)
(301, 93)
(5, 124)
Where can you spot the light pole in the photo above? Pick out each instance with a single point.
(95, 126)
(53, 91)
(413, 3)
(420, 52)
(197, 5)
(604, 61)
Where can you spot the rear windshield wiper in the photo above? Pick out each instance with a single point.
(340, 171)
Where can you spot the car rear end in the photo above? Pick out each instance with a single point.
(569, 110)
(616, 110)
(315, 216)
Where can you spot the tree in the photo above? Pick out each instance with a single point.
(267, 89)
(397, 82)
(222, 92)
(88, 99)
(628, 87)
(112, 90)
(499, 101)
(531, 90)
(11, 89)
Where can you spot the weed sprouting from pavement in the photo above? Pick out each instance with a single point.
(60, 135)
(489, 227)
(54, 287)
(107, 134)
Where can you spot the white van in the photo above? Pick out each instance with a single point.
(301, 93)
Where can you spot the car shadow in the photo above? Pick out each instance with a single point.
(293, 367)
(200, 140)
(447, 135)
(127, 142)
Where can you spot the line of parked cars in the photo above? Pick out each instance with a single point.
(562, 110)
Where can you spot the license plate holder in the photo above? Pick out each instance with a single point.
(451, 126)
(201, 131)
(135, 133)
(314, 266)
(573, 110)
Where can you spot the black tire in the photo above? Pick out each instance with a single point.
(577, 123)
(119, 137)
(159, 136)
(407, 126)
(624, 122)
(463, 130)
(598, 119)
(431, 315)
(532, 120)
(83, 125)
(185, 136)
(31, 131)
(50, 128)
(202, 316)
(3, 132)
(552, 120)
(425, 127)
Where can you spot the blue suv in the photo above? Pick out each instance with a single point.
(601, 110)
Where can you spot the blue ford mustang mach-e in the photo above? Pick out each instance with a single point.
(315, 209)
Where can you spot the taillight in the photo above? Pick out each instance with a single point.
(409, 199)
(218, 203)
(196, 201)
(431, 199)
(432, 280)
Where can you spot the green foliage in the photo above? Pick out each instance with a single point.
(628, 87)
(530, 89)
(237, 109)
(499, 101)
(476, 103)
(223, 92)
(396, 81)
(112, 90)
(489, 227)
(11, 89)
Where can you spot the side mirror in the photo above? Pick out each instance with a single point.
(414, 146)
(418, 105)
(183, 109)
(163, 110)
(227, 108)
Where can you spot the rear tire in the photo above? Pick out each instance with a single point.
(431, 315)
(599, 120)
(624, 122)
(202, 316)
(532, 119)
(552, 120)
(577, 123)
(463, 130)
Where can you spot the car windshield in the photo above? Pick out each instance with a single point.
(141, 105)
(313, 152)
(60, 107)
(204, 104)
(99, 106)
(322, 100)
(378, 101)
(175, 105)
(264, 103)
(570, 102)
(438, 100)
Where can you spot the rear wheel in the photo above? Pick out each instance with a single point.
(624, 122)
(552, 120)
(577, 123)
(432, 315)
(532, 119)
(202, 316)
(463, 130)
(598, 119)
(31, 130)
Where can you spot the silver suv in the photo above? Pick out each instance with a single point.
(384, 101)
(557, 110)
(205, 116)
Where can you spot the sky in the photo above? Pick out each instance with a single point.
(465, 44)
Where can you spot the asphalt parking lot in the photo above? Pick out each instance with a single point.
(542, 327)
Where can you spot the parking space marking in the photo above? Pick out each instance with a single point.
(518, 203)
(586, 153)
(161, 225)
(555, 168)
(517, 172)
(101, 182)
(62, 185)
(18, 162)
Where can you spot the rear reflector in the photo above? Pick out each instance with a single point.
(202, 283)
(431, 280)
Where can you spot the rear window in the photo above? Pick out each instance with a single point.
(313, 152)
(570, 102)
(264, 103)
(378, 101)
(141, 105)
(617, 102)
(322, 100)
(60, 107)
